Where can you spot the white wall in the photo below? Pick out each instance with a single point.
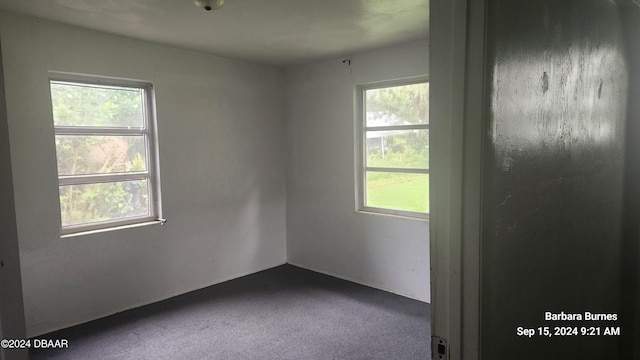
(11, 303)
(221, 157)
(324, 232)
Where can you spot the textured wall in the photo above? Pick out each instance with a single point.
(557, 83)
(324, 232)
(221, 139)
(11, 303)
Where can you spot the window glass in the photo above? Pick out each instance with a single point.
(76, 104)
(103, 202)
(99, 154)
(398, 105)
(398, 148)
(398, 191)
(104, 151)
(395, 149)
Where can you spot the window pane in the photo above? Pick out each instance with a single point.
(89, 154)
(90, 203)
(398, 191)
(398, 149)
(398, 105)
(94, 105)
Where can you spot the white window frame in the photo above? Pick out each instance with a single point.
(361, 139)
(150, 134)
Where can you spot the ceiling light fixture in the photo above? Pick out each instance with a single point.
(209, 4)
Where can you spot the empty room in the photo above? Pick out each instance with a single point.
(298, 179)
(233, 179)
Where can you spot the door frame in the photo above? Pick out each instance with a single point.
(457, 72)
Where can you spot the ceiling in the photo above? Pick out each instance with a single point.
(273, 32)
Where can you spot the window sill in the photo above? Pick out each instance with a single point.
(424, 218)
(112, 228)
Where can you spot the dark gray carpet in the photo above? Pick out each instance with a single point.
(281, 313)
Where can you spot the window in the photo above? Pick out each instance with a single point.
(393, 159)
(106, 153)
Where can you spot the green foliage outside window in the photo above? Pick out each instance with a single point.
(408, 149)
(77, 105)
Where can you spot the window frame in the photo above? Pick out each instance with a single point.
(150, 136)
(360, 153)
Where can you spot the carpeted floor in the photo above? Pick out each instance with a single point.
(281, 313)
